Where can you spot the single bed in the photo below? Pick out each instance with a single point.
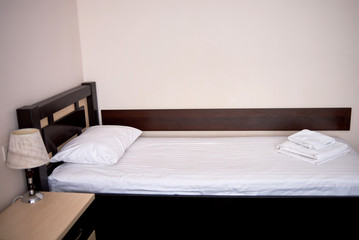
(180, 175)
(231, 166)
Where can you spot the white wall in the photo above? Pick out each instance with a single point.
(178, 54)
(40, 56)
(223, 54)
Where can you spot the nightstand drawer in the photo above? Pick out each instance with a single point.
(80, 234)
(84, 228)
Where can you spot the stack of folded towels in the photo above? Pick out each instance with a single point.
(312, 147)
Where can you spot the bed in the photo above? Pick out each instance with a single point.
(231, 166)
(194, 174)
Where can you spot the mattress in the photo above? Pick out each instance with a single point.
(235, 166)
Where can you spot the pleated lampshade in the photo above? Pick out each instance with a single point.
(26, 149)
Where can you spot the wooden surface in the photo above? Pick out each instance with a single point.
(48, 219)
(271, 119)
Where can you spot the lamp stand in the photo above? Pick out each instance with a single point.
(31, 196)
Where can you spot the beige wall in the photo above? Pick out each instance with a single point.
(223, 54)
(40, 56)
(179, 54)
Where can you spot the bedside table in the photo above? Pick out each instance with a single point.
(51, 218)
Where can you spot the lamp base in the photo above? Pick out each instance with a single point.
(27, 198)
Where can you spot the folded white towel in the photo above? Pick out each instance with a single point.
(310, 160)
(329, 152)
(311, 139)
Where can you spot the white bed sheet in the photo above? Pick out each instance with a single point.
(210, 166)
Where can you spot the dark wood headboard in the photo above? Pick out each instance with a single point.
(281, 119)
(60, 118)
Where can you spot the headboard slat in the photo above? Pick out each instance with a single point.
(272, 119)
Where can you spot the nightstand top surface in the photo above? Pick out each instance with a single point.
(50, 218)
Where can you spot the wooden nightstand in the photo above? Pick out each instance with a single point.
(51, 218)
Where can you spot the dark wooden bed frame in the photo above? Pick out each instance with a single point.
(66, 115)
(275, 119)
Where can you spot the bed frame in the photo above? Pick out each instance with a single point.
(268, 119)
(60, 118)
(67, 114)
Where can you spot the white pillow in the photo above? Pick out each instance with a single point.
(103, 145)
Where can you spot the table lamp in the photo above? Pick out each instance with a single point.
(27, 150)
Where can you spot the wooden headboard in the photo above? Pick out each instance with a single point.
(59, 119)
(267, 119)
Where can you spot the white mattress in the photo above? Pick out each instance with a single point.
(210, 166)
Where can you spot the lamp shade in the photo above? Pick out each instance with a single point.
(26, 149)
